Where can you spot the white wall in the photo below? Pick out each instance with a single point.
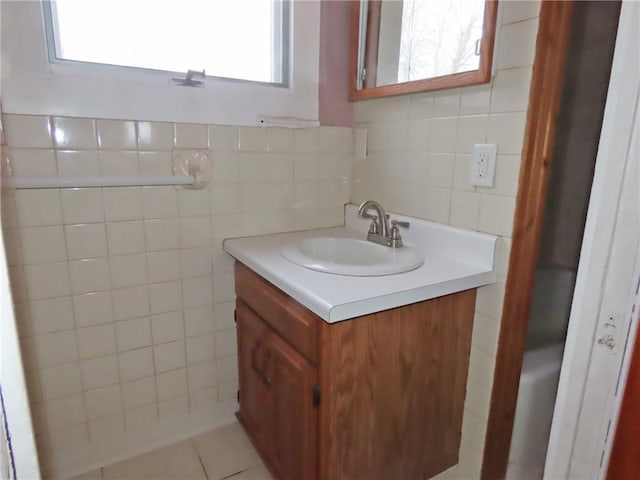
(418, 164)
(124, 297)
(264, 180)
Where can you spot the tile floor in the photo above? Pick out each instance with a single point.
(223, 453)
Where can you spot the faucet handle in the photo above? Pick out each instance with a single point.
(373, 228)
(372, 217)
(400, 223)
(395, 239)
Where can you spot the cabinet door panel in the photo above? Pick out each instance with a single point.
(253, 336)
(292, 321)
(294, 426)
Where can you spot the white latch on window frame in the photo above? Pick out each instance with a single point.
(188, 81)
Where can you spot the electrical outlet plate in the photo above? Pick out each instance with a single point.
(483, 164)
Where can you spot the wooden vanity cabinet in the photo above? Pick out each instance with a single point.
(375, 397)
(276, 407)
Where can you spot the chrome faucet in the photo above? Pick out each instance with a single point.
(379, 222)
(379, 231)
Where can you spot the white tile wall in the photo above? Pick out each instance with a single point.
(106, 427)
(125, 296)
(61, 381)
(79, 163)
(132, 334)
(28, 131)
(155, 136)
(136, 364)
(96, 341)
(38, 208)
(51, 315)
(33, 162)
(77, 133)
(191, 136)
(141, 417)
(99, 372)
(139, 393)
(118, 162)
(116, 134)
(173, 407)
(92, 308)
(89, 275)
(65, 411)
(43, 245)
(418, 163)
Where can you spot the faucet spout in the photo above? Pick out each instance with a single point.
(383, 222)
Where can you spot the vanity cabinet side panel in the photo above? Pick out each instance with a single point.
(325, 374)
(396, 385)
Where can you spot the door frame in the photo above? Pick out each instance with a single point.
(602, 245)
(544, 102)
(592, 376)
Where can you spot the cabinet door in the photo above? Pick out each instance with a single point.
(253, 335)
(293, 432)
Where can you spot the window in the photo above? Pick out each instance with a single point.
(245, 40)
(51, 77)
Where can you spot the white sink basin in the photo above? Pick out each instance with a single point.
(350, 256)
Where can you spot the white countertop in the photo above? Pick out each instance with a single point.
(454, 260)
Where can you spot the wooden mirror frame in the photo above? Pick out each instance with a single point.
(473, 77)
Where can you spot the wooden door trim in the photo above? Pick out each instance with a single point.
(544, 101)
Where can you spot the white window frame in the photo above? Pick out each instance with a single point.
(31, 84)
(280, 46)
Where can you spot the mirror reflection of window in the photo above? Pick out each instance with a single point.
(428, 38)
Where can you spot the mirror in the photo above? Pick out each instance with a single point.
(408, 46)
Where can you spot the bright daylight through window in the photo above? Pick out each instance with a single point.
(439, 37)
(238, 39)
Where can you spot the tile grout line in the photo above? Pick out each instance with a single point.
(204, 469)
(231, 475)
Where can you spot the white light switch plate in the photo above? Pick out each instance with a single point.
(483, 164)
(359, 143)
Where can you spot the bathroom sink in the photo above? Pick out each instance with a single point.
(350, 256)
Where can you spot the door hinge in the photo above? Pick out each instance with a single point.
(235, 316)
(316, 395)
(238, 395)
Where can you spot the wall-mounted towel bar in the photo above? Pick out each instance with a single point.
(87, 182)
